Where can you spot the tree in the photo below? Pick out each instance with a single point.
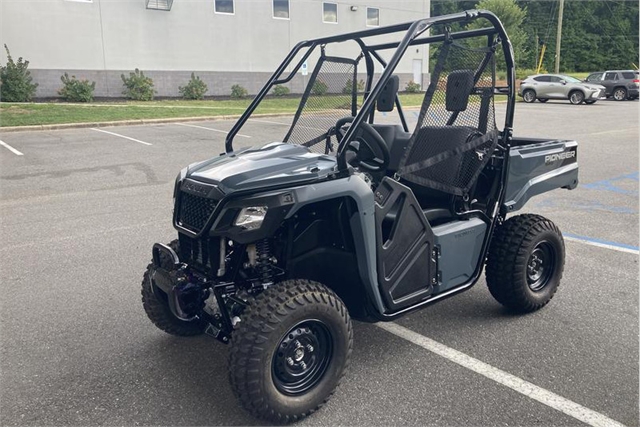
(596, 34)
(512, 17)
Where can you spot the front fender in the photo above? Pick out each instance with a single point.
(362, 223)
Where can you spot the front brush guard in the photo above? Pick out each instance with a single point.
(183, 296)
(175, 283)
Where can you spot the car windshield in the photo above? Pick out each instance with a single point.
(571, 79)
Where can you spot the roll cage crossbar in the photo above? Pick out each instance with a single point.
(370, 52)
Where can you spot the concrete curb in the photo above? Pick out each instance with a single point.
(62, 126)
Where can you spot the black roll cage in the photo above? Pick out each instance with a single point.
(413, 31)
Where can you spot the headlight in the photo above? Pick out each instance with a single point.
(251, 218)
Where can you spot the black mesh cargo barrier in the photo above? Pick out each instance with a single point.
(330, 95)
(456, 131)
(195, 211)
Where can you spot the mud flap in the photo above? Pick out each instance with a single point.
(405, 261)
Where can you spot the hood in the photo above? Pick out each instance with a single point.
(271, 165)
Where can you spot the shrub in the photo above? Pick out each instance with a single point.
(75, 90)
(138, 86)
(238, 91)
(349, 86)
(319, 87)
(279, 90)
(195, 88)
(16, 81)
(412, 87)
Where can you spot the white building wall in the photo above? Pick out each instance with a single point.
(101, 39)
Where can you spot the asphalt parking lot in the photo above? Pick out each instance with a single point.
(81, 208)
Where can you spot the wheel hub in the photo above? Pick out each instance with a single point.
(540, 266)
(302, 357)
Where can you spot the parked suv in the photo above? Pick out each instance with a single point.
(544, 87)
(619, 84)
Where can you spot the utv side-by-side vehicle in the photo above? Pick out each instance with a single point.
(351, 215)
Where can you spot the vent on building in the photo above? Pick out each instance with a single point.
(159, 4)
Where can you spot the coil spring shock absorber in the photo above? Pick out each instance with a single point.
(264, 260)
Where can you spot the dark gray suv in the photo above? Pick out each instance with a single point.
(619, 84)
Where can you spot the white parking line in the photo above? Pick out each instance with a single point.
(215, 130)
(526, 388)
(269, 122)
(602, 244)
(122, 136)
(285, 124)
(614, 131)
(10, 148)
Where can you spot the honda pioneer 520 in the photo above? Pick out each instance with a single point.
(350, 215)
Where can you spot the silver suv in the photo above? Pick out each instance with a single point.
(619, 84)
(544, 87)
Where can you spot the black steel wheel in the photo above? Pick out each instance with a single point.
(302, 358)
(525, 262)
(529, 96)
(291, 350)
(540, 266)
(619, 94)
(576, 97)
(156, 304)
(543, 100)
(592, 101)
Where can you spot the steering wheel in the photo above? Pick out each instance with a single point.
(367, 145)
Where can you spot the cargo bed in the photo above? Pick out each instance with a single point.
(537, 166)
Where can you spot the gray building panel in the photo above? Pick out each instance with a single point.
(101, 39)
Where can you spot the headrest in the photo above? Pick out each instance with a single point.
(459, 86)
(387, 97)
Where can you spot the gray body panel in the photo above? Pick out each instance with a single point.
(459, 244)
(537, 168)
(362, 223)
(273, 164)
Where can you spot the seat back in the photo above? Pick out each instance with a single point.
(387, 97)
(456, 131)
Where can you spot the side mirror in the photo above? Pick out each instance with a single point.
(564, 82)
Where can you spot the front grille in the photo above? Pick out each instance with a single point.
(194, 211)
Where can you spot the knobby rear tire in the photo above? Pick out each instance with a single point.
(510, 257)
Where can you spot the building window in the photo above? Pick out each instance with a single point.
(281, 9)
(330, 13)
(224, 6)
(373, 17)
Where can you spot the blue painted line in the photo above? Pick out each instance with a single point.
(610, 184)
(587, 205)
(415, 113)
(602, 242)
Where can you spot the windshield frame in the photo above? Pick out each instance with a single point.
(413, 35)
